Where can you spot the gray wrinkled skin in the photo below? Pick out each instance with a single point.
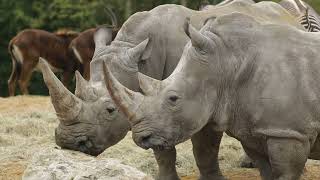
(157, 39)
(258, 83)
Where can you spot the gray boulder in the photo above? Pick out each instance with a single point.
(55, 164)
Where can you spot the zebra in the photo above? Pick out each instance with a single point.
(304, 13)
(310, 22)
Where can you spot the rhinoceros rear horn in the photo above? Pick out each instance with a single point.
(197, 39)
(81, 85)
(148, 85)
(139, 51)
(66, 104)
(128, 101)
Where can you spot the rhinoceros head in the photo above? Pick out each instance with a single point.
(171, 111)
(89, 120)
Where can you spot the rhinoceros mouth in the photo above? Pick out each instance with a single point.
(161, 148)
(82, 148)
(156, 147)
(147, 140)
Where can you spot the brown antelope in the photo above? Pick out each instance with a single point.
(30, 44)
(83, 45)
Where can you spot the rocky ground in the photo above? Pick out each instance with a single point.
(27, 126)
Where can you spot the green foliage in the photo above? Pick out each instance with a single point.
(315, 4)
(51, 15)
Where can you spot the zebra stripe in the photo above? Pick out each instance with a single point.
(310, 22)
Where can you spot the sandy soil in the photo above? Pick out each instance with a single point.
(27, 124)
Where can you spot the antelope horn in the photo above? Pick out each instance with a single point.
(128, 101)
(67, 105)
(113, 17)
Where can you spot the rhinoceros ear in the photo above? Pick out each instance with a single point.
(197, 39)
(147, 51)
(148, 85)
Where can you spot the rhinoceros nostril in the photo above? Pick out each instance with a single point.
(146, 141)
(146, 138)
(110, 110)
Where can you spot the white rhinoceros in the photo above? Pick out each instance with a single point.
(89, 120)
(258, 83)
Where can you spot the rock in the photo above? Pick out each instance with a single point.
(56, 164)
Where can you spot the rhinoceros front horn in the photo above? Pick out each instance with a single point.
(128, 101)
(66, 104)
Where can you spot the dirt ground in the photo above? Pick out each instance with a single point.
(27, 124)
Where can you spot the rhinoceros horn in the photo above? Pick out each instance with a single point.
(128, 101)
(81, 85)
(67, 105)
(136, 52)
(148, 85)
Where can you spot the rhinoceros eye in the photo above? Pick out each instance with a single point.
(173, 98)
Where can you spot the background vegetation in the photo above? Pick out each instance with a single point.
(78, 15)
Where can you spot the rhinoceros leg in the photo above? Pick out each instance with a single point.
(166, 160)
(315, 151)
(287, 158)
(246, 162)
(261, 161)
(205, 150)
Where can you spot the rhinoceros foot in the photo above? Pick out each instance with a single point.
(246, 162)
